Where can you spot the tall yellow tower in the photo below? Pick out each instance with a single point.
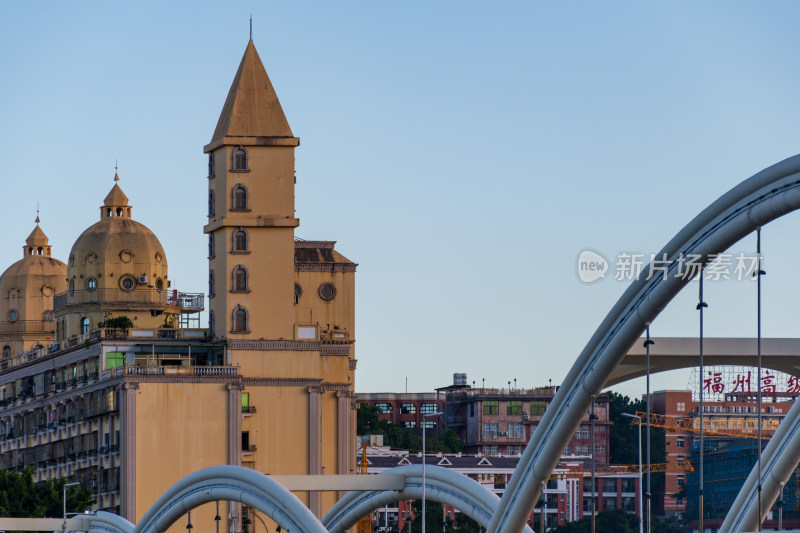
(282, 308)
(251, 210)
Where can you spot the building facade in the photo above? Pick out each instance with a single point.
(729, 423)
(103, 381)
(566, 496)
(502, 421)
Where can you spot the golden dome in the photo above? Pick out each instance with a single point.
(116, 252)
(27, 287)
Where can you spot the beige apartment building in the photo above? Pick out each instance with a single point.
(107, 377)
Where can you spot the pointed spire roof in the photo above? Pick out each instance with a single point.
(115, 198)
(252, 108)
(37, 236)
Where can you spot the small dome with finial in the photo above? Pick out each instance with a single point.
(27, 288)
(115, 203)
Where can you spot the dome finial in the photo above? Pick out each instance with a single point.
(116, 174)
(37, 212)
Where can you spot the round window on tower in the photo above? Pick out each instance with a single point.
(327, 291)
(127, 283)
(13, 315)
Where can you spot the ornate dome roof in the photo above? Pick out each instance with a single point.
(27, 287)
(116, 248)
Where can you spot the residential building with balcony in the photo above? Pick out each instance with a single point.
(108, 379)
(493, 421)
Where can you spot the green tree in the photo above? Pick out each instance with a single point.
(433, 519)
(612, 521)
(21, 497)
(368, 422)
(120, 322)
(623, 445)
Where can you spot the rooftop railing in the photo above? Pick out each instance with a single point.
(186, 301)
(96, 296)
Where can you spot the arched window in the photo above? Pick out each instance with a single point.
(240, 240)
(159, 284)
(239, 198)
(211, 165)
(91, 284)
(47, 315)
(239, 317)
(85, 325)
(210, 283)
(72, 286)
(298, 292)
(211, 202)
(210, 245)
(239, 161)
(6, 351)
(211, 323)
(239, 281)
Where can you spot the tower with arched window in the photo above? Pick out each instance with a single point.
(283, 308)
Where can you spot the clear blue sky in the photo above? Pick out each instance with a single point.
(462, 153)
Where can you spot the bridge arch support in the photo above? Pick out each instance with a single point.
(441, 485)
(764, 197)
(234, 483)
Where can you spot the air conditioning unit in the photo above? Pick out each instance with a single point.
(143, 279)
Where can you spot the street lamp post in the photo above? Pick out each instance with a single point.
(437, 413)
(64, 525)
(641, 515)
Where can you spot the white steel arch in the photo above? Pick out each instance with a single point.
(234, 483)
(441, 485)
(768, 195)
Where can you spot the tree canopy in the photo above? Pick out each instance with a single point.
(21, 497)
(368, 422)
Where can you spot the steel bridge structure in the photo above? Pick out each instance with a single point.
(604, 361)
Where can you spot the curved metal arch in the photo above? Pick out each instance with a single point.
(441, 485)
(234, 483)
(766, 196)
(778, 461)
(104, 522)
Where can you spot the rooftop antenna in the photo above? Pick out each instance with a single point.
(251, 26)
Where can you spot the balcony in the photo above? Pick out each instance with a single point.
(188, 302)
(156, 333)
(110, 296)
(180, 370)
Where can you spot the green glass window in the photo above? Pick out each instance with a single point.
(538, 407)
(114, 360)
(491, 407)
(514, 407)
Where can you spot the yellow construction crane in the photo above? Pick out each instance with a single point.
(727, 426)
(365, 524)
